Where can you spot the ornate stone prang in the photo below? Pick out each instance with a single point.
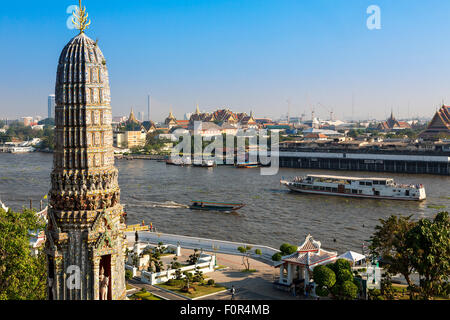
(85, 196)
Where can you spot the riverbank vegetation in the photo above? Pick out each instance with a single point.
(405, 246)
(23, 275)
(17, 131)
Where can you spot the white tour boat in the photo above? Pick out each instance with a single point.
(378, 188)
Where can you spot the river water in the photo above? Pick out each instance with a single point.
(272, 214)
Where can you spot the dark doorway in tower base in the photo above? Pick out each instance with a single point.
(105, 263)
(51, 277)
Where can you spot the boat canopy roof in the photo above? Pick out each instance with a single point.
(221, 203)
(347, 178)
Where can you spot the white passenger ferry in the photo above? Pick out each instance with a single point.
(378, 188)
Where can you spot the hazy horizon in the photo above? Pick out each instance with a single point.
(243, 55)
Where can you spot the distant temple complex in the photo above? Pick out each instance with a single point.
(132, 133)
(439, 126)
(85, 244)
(393, 124)
(222, 117)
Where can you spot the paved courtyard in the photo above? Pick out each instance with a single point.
(249, 286)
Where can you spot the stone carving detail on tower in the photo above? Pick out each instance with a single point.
(86, 224)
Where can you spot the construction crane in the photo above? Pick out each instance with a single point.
(330, 111)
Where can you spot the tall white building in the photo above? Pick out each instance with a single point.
(141, 115)
(51, 106)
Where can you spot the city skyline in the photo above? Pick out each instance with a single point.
(247, 56)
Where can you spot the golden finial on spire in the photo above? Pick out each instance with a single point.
(80, 18)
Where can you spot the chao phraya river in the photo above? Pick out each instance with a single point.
(272, 214)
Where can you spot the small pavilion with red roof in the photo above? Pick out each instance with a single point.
(300, 264)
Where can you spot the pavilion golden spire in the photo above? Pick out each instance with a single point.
(80, 18)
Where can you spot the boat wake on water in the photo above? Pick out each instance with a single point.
(166, 204)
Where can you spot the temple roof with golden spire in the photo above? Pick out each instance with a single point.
(171, 120)
(132, 118)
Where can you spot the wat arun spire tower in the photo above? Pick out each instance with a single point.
(85, 241)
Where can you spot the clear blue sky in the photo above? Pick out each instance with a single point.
(243, 54)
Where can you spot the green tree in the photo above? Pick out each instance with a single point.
(153, 144)
(386, 287)
(128, 274)
(193, 258)
(23, 276)
(48, 139)
(353, 133)
(246, 252)
(343, 275)
(429, 241)
(155, 258)
(198, 275)
(375, 294)
(175, 264)
(340, 265)
(178, 274)
(277, 256)
(188, 279)
(325, 278)
(389, 243)
(347, 290)
(336, 278)
(287, 249)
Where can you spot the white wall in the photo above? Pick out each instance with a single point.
(206, 264)
(222, 246)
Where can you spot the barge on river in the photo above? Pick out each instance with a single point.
(377, 188)
(215, 206)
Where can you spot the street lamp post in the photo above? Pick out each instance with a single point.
(215, 248)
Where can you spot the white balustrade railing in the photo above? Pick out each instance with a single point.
(206, 263)
(209, 245)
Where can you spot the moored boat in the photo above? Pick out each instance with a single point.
(21, 149)
(215, 206)
(185, 161)
(377, 188)
(247, 165)
(204, 163)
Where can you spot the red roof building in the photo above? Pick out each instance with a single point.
(439, 125)
(316, 136)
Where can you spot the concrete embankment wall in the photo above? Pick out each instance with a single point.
(374, 163)
(207, 245)
(141, 157)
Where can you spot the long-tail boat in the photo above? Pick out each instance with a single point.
(215, 206)
(247, 165)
